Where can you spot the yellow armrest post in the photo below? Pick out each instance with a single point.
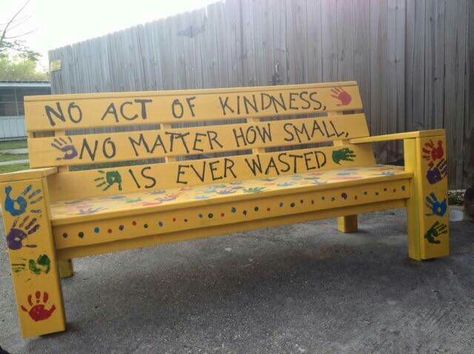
(427, 208)
(34, 268)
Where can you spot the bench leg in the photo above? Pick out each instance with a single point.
(66, 269)
(347, 224)
(427, 208)
(34, 267)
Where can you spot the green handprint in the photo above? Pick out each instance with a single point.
(41, 265)
(344, 154)
(435, 231)
(108, 179)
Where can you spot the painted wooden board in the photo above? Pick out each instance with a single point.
(138, 108)
(227, 210)
(428, 210)
(177, 198)
(32, 257)
(188, 173)
(126, 146)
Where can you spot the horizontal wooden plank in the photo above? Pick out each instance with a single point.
(218, 230)
(27, 174)
(138, 108)
(126, 146)
(72, 185)
(398, 136)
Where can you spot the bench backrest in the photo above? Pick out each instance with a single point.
(168, 139)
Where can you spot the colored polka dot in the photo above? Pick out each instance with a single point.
(222, 214)
(312, 201)
(174, 219)
(281, 205)
(301, 201)
(121, 227)
(65, 235)
(185, 220)
(234, 210)
(200, 215)
(403, 188)
(333, 199)
(244, 212)
(292, 205)
(145, 226)
(344, 195)
(109, 231)
(97, 230)
(323, 198)
(376, 193)
(256, 208)
(160, 224)
(268, 209)
(385, 189)
(134, 223)
(394, 190)
(81, 234)
(210, 215)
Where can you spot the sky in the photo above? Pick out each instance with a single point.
(56, 23)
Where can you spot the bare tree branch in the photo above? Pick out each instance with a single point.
(9, 23)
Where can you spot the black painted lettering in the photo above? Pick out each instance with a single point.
(271, 165)
(305, 99)
(130, 171)
(212, 136)
(250, 103)
(289, 128)
(201, 174)
(320, 158)
(225, 105)
(177, 109)
(111, 110)
(191, 105)
(213, 168)
(86, 147)
(229, 167)
(198, 140)
(295, 162)
(314, 99)
(293, 96)
(143, 109)
(282, 159)
(108, 148)
(265, 132)
(308, 158)
(335, 130)
(151, 179)
(141, 142)
(122, 111)
(51, 112)
(277, 103)
(158, 143)
(239, 136)
(328, 134)
(268, 104)
(77, 116)
(181, 172)
(254, 164)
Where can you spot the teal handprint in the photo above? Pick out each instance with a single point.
(108, 179)
(344, 154)
(435, 231)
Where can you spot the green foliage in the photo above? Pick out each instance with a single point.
(20, 69)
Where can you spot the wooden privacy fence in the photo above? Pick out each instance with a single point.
(413, 59)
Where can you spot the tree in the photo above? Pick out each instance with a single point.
(17, 61)
(20, 70)
(12, 44)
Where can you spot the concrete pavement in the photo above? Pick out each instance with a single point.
(297, 289)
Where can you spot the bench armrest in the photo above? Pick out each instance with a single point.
(28, 174)
(397, 136)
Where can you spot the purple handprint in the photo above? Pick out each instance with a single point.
(438, 172)
(17, 235)
(67, 148)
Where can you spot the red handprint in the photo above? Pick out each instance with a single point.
(431, 153)
(340, 94)
(37, 311)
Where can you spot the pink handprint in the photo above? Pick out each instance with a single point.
(340, 94)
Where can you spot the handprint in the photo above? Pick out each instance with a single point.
(438, 172)
(65, 147)
(37, 310)
(437, 208)
(41, 265)
(340, 94)
(18, 206)
(431, 153)
(17, 234)
(344, 154)
(108, 179)
(435, 231)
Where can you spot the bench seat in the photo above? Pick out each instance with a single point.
(78, 210)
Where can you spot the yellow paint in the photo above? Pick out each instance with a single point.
(32, 257)
(189, 173)
(125, 146)
(186, 192)
(138, 108)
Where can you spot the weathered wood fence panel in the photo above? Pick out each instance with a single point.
(413, 59)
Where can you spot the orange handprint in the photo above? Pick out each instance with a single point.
(342, 95)
(431, 153)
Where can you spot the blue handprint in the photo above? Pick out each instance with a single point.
(18, 206)
(437, 208)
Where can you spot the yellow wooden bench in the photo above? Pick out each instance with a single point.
(201, 163)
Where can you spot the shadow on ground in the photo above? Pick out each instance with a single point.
(296, 289)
